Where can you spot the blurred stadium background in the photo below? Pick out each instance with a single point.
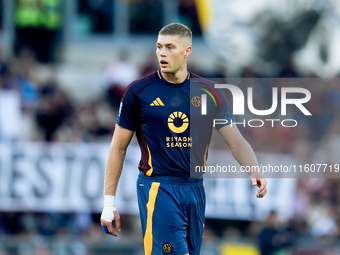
(63, 68)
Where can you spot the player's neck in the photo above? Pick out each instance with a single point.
(177, 77)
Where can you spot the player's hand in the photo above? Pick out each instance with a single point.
(260, 182)
(106, 220)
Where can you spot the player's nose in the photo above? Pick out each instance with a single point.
(162, 52)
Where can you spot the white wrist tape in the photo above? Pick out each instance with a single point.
(109, 207)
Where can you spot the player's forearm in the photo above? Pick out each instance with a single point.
(245, 156)
(113, 170)
(120, 141)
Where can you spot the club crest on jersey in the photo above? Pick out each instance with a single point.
(167, 248)
(196, 101)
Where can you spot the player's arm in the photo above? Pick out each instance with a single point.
(245, 155)
(120, 141)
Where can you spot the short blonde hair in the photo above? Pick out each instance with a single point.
(177, 29)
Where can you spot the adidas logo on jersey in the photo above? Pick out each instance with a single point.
(157, 102)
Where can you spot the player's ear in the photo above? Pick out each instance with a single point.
(188, 51)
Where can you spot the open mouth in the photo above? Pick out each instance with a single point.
(163, 63)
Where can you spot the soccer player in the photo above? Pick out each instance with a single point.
(163, 108)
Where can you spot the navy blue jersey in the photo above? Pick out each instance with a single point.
(172, 133)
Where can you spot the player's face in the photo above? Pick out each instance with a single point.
(172, 52)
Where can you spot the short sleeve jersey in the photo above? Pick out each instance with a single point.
(171, 130)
